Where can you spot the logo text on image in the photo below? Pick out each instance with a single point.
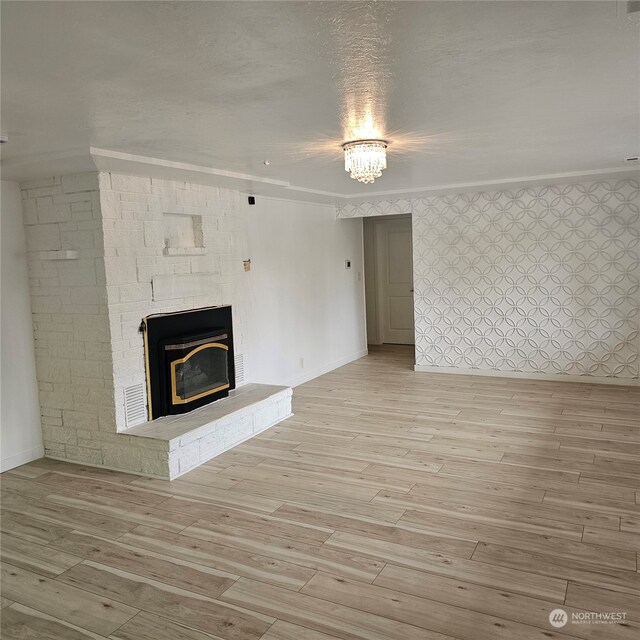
(559, 618)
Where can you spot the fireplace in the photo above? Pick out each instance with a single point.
(189, 359)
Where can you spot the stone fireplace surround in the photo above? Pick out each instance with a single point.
(104, 251)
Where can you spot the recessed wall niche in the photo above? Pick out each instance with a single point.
(182, 234)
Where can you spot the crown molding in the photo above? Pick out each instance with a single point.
(258, 185)
(127, 163)
(95, 158)
(496, 185)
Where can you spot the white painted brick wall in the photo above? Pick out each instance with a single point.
(135, 229)
(87, 311)
(70, 318)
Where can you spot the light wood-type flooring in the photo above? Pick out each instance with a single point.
(393, 505)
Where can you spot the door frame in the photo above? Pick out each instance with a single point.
(372, 237)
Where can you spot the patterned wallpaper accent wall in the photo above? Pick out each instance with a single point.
(539, 280)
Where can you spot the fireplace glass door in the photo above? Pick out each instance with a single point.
(200, 373)
(197, 368)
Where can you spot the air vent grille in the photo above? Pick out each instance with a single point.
(135, 407)
(239, 362)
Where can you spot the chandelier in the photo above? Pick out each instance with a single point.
(365, 159)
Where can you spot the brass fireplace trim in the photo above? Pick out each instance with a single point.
(180, 346)
(176, 399)
(145, 334)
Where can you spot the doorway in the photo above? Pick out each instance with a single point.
(388, 265)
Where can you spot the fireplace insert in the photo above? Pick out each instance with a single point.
(189, 359)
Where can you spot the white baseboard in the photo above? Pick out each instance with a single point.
(310, 375)
(556, 377)
(21, 458)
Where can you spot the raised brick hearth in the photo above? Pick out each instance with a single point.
(195, 437)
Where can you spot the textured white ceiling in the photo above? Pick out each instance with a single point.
(465, 91)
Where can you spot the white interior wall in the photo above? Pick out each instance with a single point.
(307, 310)
(20, 431)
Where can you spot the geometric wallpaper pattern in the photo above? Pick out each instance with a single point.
(538, 280)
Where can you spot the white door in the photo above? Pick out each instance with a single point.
(395, 281)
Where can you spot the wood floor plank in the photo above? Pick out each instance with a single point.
(599, 445)
(203, 476)
(28, 528)
(613, 539)
(592, 598)
(342, 477)
(358, 452)
(277, 524)
(329, 462)
(45, 465)
(630, 524)
(414, 472)
(553, 566)
(149, 516)
(492, 575)
(499, 603)
(508, 505)
(217, 556)
(602, 505)
(35, 557)
(626, 483)
(407, 535)
(25, 486)
(312, 482)
(97, 613)
(179, 573)
(281, 630)
(454, 450)
(441, 616)
(318, 557)
(437, 482)
(515, 474)
(556, 461)
(466, 595)
(520, 516)
(221, 497)
(114, 490)
(56, 514)
(20, 622)
(321, 500)
(29, 471)
(236, 455)
(300, 434)
(179, 605)
(543, 543)
(318, 614)
(145, 626)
